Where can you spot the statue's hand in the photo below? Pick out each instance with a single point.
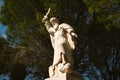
(44, 20)
(74, 38)
(74, 35)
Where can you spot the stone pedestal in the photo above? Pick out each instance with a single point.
(66, 76)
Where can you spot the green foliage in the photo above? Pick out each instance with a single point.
(106, 10)
(97, 23)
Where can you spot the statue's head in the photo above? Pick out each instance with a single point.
(53, 20)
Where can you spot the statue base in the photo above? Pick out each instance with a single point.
(66, 76)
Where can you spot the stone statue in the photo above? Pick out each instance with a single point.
(63, 39)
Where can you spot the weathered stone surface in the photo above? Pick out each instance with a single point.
(66, 76)
(63, 39)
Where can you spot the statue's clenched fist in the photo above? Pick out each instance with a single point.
(44, 20)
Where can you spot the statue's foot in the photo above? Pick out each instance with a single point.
(67, 68)
(47, 79)
(64, 62)
(51, 71)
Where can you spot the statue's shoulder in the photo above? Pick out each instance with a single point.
(65, 25)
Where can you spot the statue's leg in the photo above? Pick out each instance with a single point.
(64, 61)
(51, 71)
(70, 60)
(57, 59)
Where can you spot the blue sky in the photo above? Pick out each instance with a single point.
(2, 30)
(1, 2)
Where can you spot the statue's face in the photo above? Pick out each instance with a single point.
(55, 25)
(54, 21)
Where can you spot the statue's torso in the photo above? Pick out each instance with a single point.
(60, 34)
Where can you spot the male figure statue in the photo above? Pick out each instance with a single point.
(63, 42)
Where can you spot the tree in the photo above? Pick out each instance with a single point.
(8, 61)
(96, 23)
(103, 36)
(25, 32)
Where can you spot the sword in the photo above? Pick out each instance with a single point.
(46, 16)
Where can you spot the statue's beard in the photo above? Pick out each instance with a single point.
(56, 26)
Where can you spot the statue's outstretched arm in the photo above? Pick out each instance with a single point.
(69, 29)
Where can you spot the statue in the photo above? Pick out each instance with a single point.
(63, 42)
